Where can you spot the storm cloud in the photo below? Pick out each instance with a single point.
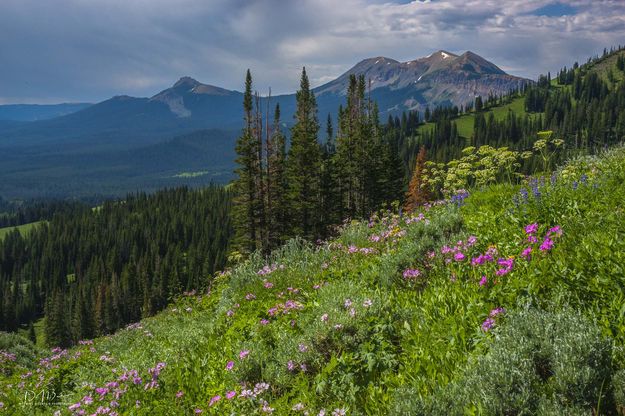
(89, 50)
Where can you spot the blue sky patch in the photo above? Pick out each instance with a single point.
(555, 10)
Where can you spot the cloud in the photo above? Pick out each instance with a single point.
(89, 50)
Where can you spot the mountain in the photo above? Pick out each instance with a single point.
(69, 148)
(441, 78)
(34, 112)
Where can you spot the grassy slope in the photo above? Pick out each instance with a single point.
(23, 229)
(603, 66)
(417, 334)
(465, 122)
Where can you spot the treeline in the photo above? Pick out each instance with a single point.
(316, 184)
(13, 214)
(90, 272)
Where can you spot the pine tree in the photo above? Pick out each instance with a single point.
(246, 199)
(418, 193)
(276, 183)
(330, 214)
(303, 166)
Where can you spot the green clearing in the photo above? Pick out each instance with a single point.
(24, 229)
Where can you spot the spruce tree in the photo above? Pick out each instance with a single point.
(303, 166)
(276, 183)
(245, 186)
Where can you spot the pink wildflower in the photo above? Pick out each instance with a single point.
(547, 244)
(214, 400)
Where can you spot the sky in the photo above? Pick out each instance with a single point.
(55, 51)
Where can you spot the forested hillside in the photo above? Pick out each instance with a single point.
(90, 272)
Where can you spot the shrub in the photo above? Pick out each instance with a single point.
(538, 362)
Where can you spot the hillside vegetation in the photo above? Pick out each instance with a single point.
(427, 313)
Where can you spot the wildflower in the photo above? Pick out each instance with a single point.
(198, 411)
(488, 324)
(179, 394)
(532, 239)
(73, 407)
(260, 388)
(527, 253)
(250, 296)
(472, 240)
(531, 228)
(546, 245)
(230, 366)
(497, 311)
(102, 391)
(459, 256)
(137, 404)
(367, 303)
(483, 281)
(268, 285)
(298, 407)
(347, 303)
(507, 266)
(338, 327)
(322, 412)
(324, 317)
(431, 254)
(243, 354)
(524, 194)
(302, 348)
(230, 313)
(303, 367)
(290, 365)
(230, 395)
(338, 412)
(557, 230)
(246, 393)
(411, 273)
(214, 400)
(87, 400)
(352, 249)
(352, 312)
(114, 404)
(264, 321)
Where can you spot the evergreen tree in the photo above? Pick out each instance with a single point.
(276, 183)
(246, 189)
(304, 165)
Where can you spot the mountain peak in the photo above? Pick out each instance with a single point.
(442, 54)
(186, 81)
